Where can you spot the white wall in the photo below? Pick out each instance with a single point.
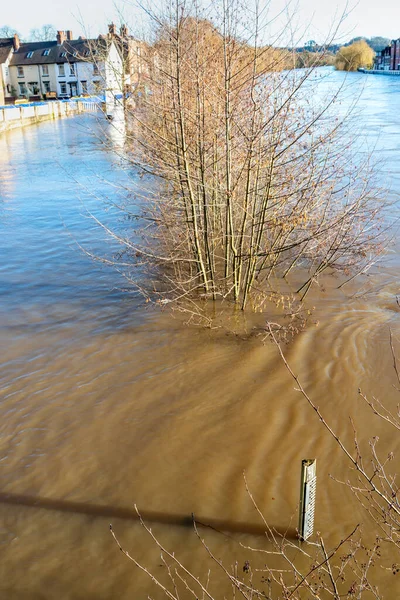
(114, 75)
(3, 86)
(109, 76)
(6, 77)
(86, 73)
(34, 73)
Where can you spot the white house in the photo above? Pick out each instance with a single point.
(7, 46)
(137, 56)
(65, 68)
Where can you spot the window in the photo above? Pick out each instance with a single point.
(63, 54)
(63, 88)
(45, 70)
(96, 69)
(29, 55)
(46, 85)
(22, 88)
(72, 69)
(7, 71)
(97, 86)
(33, 88)
(84, 87)
(46, 52)
(20, 71)
(61, 71)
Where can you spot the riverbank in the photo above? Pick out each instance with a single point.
(379, 72)
(12, 117)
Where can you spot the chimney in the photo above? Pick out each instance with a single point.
(69, 34)
(61, 37)
(112, 29)
(16, 42)
(124, 31)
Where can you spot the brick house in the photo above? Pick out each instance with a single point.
(388, 59)
(395, 55)
(7, 47)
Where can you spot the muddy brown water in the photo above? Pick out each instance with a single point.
(105, 403)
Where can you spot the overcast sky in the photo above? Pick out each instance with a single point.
(367, 17)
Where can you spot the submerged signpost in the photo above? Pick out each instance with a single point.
(308, 486)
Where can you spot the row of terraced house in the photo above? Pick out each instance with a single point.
(66, 67)
(388, 59)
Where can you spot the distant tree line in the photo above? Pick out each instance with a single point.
(377, 43)
(358, 52)
(45, 33)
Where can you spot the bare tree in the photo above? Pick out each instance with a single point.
(7, 32)
(257, 175)
(46, 33)
(282, 569)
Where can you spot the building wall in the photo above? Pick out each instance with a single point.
(5, 81)
(139, 61)
(396, 55)
(68, 79)
(113, 71)
(53, 78)
(2, 85)
(82, 72)
(33, 74)
(86, 71)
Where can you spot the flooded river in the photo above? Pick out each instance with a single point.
(105, 403)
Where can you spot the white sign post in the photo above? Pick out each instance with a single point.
(308, 486)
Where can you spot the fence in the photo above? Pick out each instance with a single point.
(35, 112)
(381, 72)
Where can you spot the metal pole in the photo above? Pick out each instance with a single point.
(308, 486)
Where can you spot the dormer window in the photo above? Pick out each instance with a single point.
(87, 53)
(46, 52)
(75, 54)
(63, 54)
(29, 55)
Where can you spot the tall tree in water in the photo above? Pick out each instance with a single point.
(258, 182)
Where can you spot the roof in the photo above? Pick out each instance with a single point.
(6, 46)
(70, 51)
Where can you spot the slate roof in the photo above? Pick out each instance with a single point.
(6, 45)
(74, 50)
